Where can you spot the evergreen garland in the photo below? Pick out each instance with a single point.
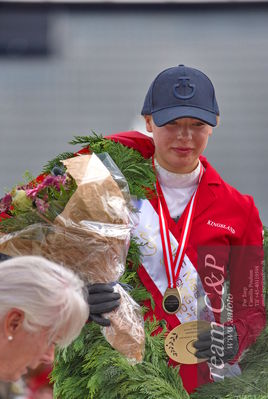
(130, 277)
(91, 368)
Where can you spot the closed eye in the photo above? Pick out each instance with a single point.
(199, 123)
(172, 123)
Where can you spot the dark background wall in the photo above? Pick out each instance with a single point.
(67, 70)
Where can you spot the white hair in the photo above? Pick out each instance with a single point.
(50, 296)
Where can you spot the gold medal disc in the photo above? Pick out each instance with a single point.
(171, 300)
(179, 342)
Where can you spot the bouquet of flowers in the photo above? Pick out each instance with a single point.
(78, 216)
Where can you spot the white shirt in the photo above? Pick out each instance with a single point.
(177, 188)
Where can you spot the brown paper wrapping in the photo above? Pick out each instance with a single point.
(91, 236)
(97, 198)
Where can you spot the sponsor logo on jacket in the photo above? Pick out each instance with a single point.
(221, 226)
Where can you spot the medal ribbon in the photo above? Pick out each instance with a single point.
(173, 267)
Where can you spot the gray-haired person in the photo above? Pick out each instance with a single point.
(42, 304)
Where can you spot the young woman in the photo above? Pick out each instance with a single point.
(215, 232)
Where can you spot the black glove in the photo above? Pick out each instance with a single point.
(102, 299)
(220, 341)
(4, 257)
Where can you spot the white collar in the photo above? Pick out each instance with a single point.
(177, 180)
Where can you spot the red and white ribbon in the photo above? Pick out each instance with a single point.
(173, 266)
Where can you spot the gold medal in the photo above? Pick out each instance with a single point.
(172, 300)
(180, 340)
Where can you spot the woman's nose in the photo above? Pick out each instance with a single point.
(184, 132)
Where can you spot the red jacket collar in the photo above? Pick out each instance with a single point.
(212, 176)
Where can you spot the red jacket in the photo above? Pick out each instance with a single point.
(227, 226)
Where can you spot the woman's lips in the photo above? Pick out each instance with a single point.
(182, 150)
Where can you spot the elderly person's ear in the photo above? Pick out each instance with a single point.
(13, 322)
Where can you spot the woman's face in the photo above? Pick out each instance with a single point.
(26, 350)
(179, 143)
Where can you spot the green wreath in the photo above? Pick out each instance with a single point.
(91, 368)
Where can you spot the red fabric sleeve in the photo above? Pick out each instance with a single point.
(39, 380)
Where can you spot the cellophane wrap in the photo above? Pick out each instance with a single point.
(91, 236)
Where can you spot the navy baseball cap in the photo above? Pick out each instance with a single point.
(181, 92)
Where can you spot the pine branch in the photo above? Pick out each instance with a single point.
(57, 161)
(134, 254)
(87, 141)
(100, 372)
(138, 292)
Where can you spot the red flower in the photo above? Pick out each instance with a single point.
(4, 215)
(41, 178)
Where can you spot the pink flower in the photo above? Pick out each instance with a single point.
(49, 181)
(32, 193)
(5, 203)
(55, 181)
(41, 205)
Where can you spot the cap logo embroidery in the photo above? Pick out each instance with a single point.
(183, 83)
